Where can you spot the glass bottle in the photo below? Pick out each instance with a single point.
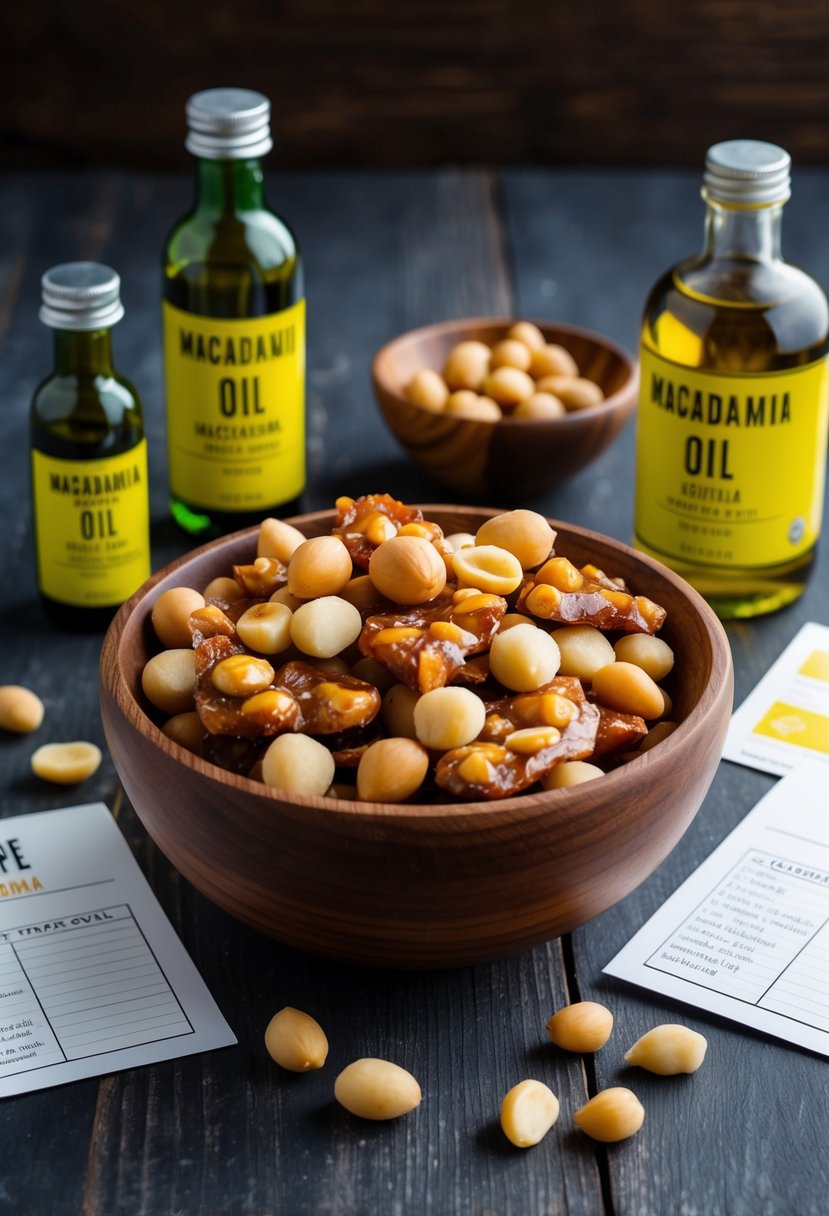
(732, 424)
(89, 456)
(234, 330)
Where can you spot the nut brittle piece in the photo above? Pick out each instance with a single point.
(364, 523)
(483, 770)
(328, 704)
(425, 646)
(560, 592)
(264, 712)
(262, 577)
(617, 731)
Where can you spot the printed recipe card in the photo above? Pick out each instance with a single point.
(747, 935)
(785, 719)
(93, 978)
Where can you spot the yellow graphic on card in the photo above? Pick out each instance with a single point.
(92, 527)
(816, 665)
(795, 725)
(235, 408)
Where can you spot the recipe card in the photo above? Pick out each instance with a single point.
(93, 978)
(785, 719)
(747, 935)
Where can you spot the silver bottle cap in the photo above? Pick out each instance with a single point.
(228, 124)
(747, 171)
(81, 296)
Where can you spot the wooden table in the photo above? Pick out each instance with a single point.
(228, 1132)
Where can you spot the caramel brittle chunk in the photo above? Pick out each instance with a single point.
(328, 704)
(427, 645)
(262, 577)
(485, 770)
(364, 523)
(560, 592)
(617, 731)
(210, 622)
(266, 712)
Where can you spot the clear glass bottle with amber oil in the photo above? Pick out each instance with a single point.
(89, 456)
(234, 329)
(733, 408)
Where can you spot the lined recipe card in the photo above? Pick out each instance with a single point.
(747, 935)
(93, 978)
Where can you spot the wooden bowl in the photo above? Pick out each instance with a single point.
(511, 457)
(420, 886)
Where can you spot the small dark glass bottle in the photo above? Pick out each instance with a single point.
(234, 330)
(89, 457)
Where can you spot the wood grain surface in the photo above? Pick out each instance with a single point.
(418, 82)
(226, 1132)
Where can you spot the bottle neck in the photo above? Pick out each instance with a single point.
(227, 187)
(737, 233)
(83, 353)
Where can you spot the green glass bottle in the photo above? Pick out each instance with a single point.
(89, 456)
(234, 330)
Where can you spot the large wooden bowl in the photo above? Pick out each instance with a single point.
(512, 457)
(420, 886)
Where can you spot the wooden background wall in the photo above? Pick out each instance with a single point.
(396, 82)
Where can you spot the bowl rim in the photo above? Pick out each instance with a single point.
(618, 399)
(567, 803)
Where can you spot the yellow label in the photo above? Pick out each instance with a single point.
(792, 724)
(730, 469)
(235, 408)
(92, 527)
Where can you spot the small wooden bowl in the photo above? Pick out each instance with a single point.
(420, 886)
(511, 457)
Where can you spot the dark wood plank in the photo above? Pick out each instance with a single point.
(228, 1131)
(735, 1139)
(369, 83)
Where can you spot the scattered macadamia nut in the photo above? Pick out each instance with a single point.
(186, 730)
(529, 334)
(266, 627)
(584, 650)
(528, 1112)
(583, 1026)
(488, 568)
(508, 386)
(614, 1114)
(510, 353)
(377, 1089)
(524, 658)
(319, 566)
(296, 1041)
(668, 1050)
(553, 360)
(325, 626)
(427, 389)
(66, 763)
(407, 570)
(465, 404)
(391, 770)
(398, 711)
(171, 615)
(467, 366)
(569, 773)
(169, 680)
(223, 588)
(644, 650)
(278, 539)
(299, 764)
(540, 405)
(21, 710)
(628, 688)
(448, 717)
(525, 534)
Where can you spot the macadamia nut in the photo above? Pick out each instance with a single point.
(524, 658)
(448, 717)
